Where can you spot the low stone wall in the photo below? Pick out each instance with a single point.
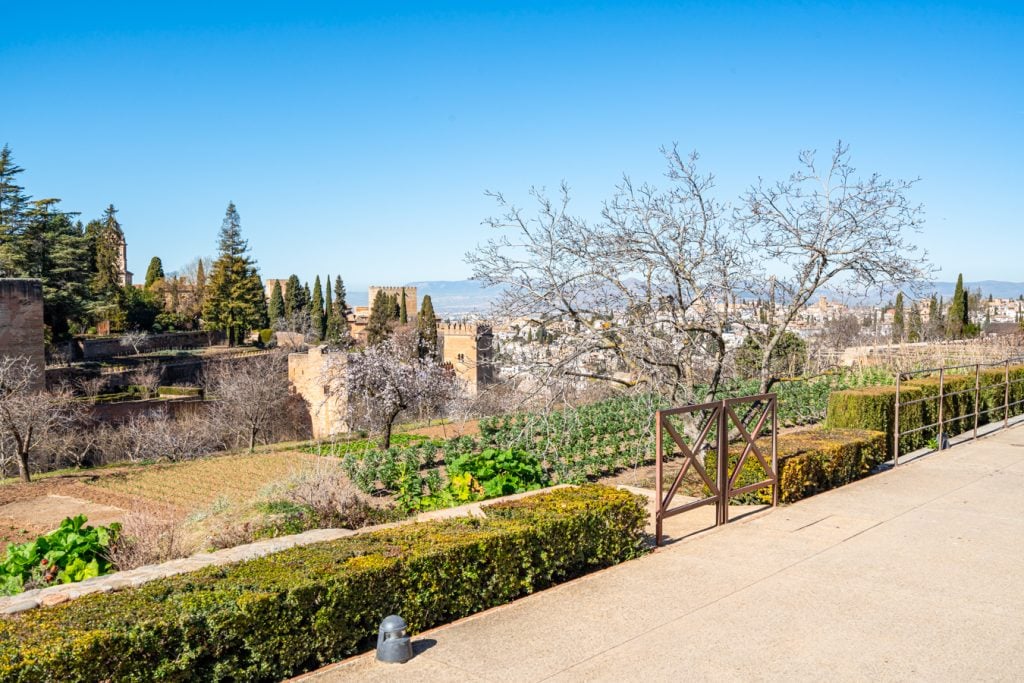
(97, 348)
(55, 595)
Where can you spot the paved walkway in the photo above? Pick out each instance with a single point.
(913, 574)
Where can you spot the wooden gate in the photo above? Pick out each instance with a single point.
(717, 425)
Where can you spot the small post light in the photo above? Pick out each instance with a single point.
(393, 644)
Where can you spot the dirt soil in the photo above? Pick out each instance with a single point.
(449, 431)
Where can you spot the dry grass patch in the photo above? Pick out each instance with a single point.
(199, 483)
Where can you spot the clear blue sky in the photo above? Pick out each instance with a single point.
(358, 139)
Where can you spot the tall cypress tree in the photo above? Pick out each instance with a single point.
(403, 309)
(915, 327)
(957, 319)
(316, 310)
(200, 283)
(293, 295)
(426, 326)
(337, 325)
(235, 302)
(275, 308)
(154, 272)
(898, 330)
(378, 327)
(328, 305)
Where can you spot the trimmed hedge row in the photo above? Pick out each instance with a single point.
(875, 408)
(299, 609)
(810, 461)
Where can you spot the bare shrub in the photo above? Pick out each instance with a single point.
(148, 376)
(148, 538)
(154, 436)
(91, 387)
(333, 498)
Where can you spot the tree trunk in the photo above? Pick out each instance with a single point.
(23, 470)
(252, 439)
(387, 434)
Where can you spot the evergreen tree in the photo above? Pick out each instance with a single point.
(378, 327)
(50, 247)
(898, 330)
(958, 318)
(316, 311)
(293, 296)
(307, 299)
(109, 239)
(235, 302)
(13, 204)
(339, 296)
(275, 308)
(200, 283)
(403, 309)
(337, 325)
(154, 272)
(328, 305)
(915, 326)
(426, 325)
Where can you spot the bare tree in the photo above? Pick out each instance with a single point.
(91, 387)
(134, 339)
(248, 394)
(646, 296)
(641, 297)
(385, 380)
(31, 418)
(828, 228)
(148, 376)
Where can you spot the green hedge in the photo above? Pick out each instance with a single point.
(299, 609)
(874, 408)
(810, 461)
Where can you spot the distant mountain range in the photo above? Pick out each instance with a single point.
(454, 298)
(997, 288)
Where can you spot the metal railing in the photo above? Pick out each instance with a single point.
(716, 422)
(941, 422)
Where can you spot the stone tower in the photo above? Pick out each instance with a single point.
(21, 322)
(410, 297)
(327, 409)
(469, 349)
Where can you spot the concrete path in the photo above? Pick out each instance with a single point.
(916, 573)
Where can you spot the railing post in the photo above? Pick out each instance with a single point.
(896, 424)
(658, 503)
(776, 492)
(723, 465)
(977, 397)
(942, 397)
(1006, 395)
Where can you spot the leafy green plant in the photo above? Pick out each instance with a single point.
(73, 552)
(501, 472)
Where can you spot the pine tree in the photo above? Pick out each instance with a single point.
(275, 308)
(378, 327)
(13, 204)
(154, 272)
(958, 318)
(109, 239)
(50, 247)
(403, 309)
(339, 296)
(235, 302)
(293, 296)
(897, 320)
(426, 326)
(316, 310)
